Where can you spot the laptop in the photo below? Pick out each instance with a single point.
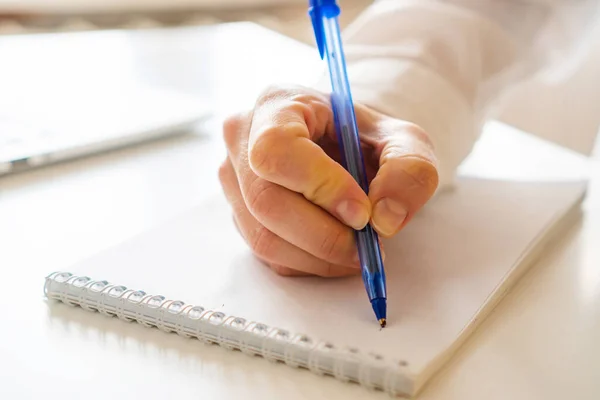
(82, 126)
(58, 102)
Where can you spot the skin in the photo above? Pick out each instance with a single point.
(292, 201)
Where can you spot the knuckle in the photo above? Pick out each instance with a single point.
(231, 127)
(260, 197)
(264, 155)
(261, 242)
(303, 95)
(419, 133)
(322, 189)
(272, 156)
(297, 95)
(299, 104)
(271, 93)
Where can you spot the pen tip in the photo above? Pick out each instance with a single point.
(379, 306)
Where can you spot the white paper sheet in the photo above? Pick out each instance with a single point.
(452, 260)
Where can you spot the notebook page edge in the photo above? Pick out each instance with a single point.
(563, 221)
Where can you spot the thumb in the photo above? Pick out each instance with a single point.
(406, 179)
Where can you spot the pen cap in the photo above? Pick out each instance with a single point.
(330, 6)
(319, 9)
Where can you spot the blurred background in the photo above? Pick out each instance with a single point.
(285, 16)
(546, 109)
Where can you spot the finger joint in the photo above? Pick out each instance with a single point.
(231, 127)
(261, 197)
(333, 246)
(261, 242)
(266, 153)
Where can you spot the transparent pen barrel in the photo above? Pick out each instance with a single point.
(341, 99)
(352, 157)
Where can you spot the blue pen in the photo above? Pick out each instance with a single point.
(324, 16)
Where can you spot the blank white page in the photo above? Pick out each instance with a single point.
(444, 270)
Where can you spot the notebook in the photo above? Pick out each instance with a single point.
(446, 271)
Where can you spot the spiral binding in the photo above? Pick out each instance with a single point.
(233, 333)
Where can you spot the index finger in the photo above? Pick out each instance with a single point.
(282, 150)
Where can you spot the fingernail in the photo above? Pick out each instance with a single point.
(388, 215)
(353, 213)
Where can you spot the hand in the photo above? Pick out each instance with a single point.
(292, 200)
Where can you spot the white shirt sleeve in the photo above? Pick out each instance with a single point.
(444, 64)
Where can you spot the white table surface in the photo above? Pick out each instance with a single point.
(542, 341)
